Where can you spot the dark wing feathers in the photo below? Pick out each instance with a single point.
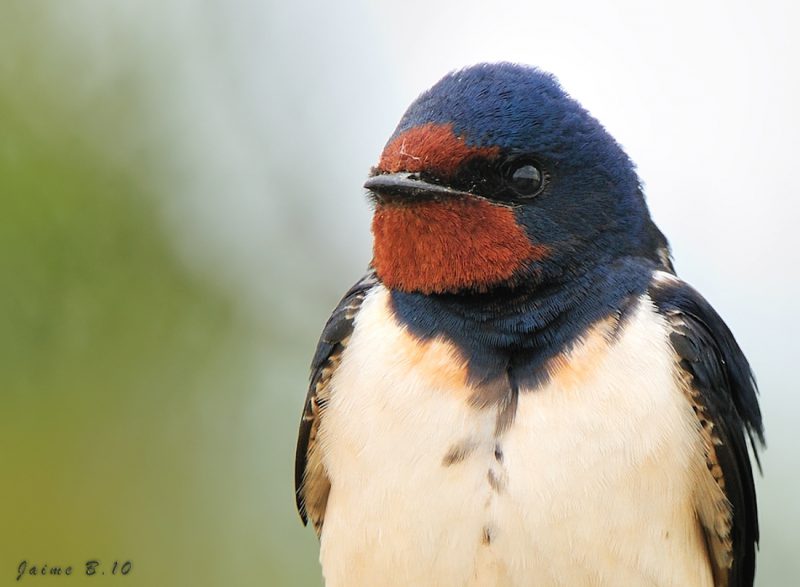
(310, 478)
(724, 392)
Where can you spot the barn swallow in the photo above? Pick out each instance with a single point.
(520, 391)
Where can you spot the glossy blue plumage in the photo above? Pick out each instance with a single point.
(591, 215)
(519, 330)
(523, 109)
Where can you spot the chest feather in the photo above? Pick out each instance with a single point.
(592, 483)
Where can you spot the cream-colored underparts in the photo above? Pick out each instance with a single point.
(594, 483)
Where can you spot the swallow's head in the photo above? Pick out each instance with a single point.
(495, 177)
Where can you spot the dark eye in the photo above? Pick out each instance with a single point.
(525, 179)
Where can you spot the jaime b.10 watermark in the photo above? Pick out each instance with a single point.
(89, 568)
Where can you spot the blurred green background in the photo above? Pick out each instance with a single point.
(180, 208)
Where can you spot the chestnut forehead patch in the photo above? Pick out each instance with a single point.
(446, 246)
(431, 147)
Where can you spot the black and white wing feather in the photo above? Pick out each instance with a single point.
(722, 391)
(312, 484)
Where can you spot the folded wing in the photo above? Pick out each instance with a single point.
(722, 390)
(312, 484)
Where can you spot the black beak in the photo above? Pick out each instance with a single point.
(404, 186)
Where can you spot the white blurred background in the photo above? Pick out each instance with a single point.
(250, 126)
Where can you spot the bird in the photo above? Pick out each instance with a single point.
(520, 390)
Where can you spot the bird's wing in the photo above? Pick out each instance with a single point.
(722, 390)
(311, 481)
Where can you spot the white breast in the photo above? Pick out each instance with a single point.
(591, 485)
